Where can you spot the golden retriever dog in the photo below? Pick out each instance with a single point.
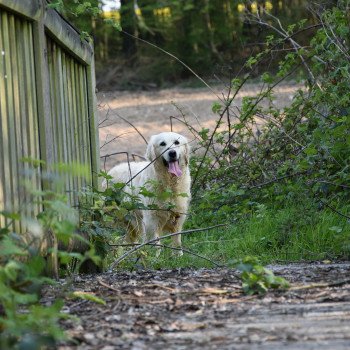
(163, 179)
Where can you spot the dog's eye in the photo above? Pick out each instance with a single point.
(162, 144)
(177, 142)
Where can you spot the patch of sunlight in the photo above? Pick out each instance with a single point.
(240, 7)
(163, 12)
(254, 6)
(114, 14)
(268, 6)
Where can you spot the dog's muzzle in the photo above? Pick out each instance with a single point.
(172, 163)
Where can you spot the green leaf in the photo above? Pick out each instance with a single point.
(267, 78)
(115, 24)
(88, 296)
(11, 269)
(216, 107)
(204, 134)
(9, 247)
(11, 216)
(310, 151)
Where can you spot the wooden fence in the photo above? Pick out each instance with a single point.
(47, 102)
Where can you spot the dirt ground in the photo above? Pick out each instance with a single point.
(150, 111)
(205, 309)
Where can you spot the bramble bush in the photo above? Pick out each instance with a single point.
(264, 155)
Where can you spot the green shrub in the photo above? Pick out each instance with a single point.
(303, 148)
(25, 263)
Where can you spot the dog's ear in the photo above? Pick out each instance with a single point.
(150, 154)
(187, 152)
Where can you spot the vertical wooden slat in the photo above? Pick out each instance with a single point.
(57, 114)
(32, 118)
(4, 192)
(49, 57)
(20, 110)
(84, 120)
(68, 113)
(8, 119)
(72, 128)
(93, 123)
(84, 97)
(57, 77)
(43, 97)
(62, 116)
(17, 80)
(76, 130)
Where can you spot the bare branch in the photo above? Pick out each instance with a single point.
(155, 240)
(175, 58)
(284, 34)
(133, 126)
(187, 251)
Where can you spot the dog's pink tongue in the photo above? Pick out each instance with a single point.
(174, 168)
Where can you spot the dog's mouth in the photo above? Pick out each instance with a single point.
(173, 167)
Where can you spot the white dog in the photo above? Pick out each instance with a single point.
(166, 170)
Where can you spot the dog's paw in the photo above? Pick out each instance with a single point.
(158, 251)
(178, 253)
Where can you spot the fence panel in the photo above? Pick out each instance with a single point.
(69, 112)
(19, 120)
(47, 102)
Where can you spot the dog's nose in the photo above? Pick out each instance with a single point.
(172, 154)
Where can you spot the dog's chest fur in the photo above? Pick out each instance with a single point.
(177, 186)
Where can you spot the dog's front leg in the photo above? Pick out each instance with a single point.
(177, 244)
(176, 225)
(151, 231)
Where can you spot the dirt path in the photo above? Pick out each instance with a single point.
(150, 111)
(205, 309)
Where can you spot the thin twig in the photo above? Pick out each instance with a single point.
(331, 183)
(137, 155)
(133, 126)
(333, 209)
(168, 247)
(278, 179)
(104, 284)
(113, 139)
(175, 58)
(321, 285)
(154, 240)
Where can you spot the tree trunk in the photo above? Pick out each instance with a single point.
(128, 24)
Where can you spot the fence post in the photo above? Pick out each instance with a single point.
(43, 88)
(44, 120)
(93, 125)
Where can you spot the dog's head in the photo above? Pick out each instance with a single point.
(170, 150)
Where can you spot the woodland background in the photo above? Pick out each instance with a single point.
(213, 37)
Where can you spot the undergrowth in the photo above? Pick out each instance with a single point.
(294, 233)
(30, 248)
